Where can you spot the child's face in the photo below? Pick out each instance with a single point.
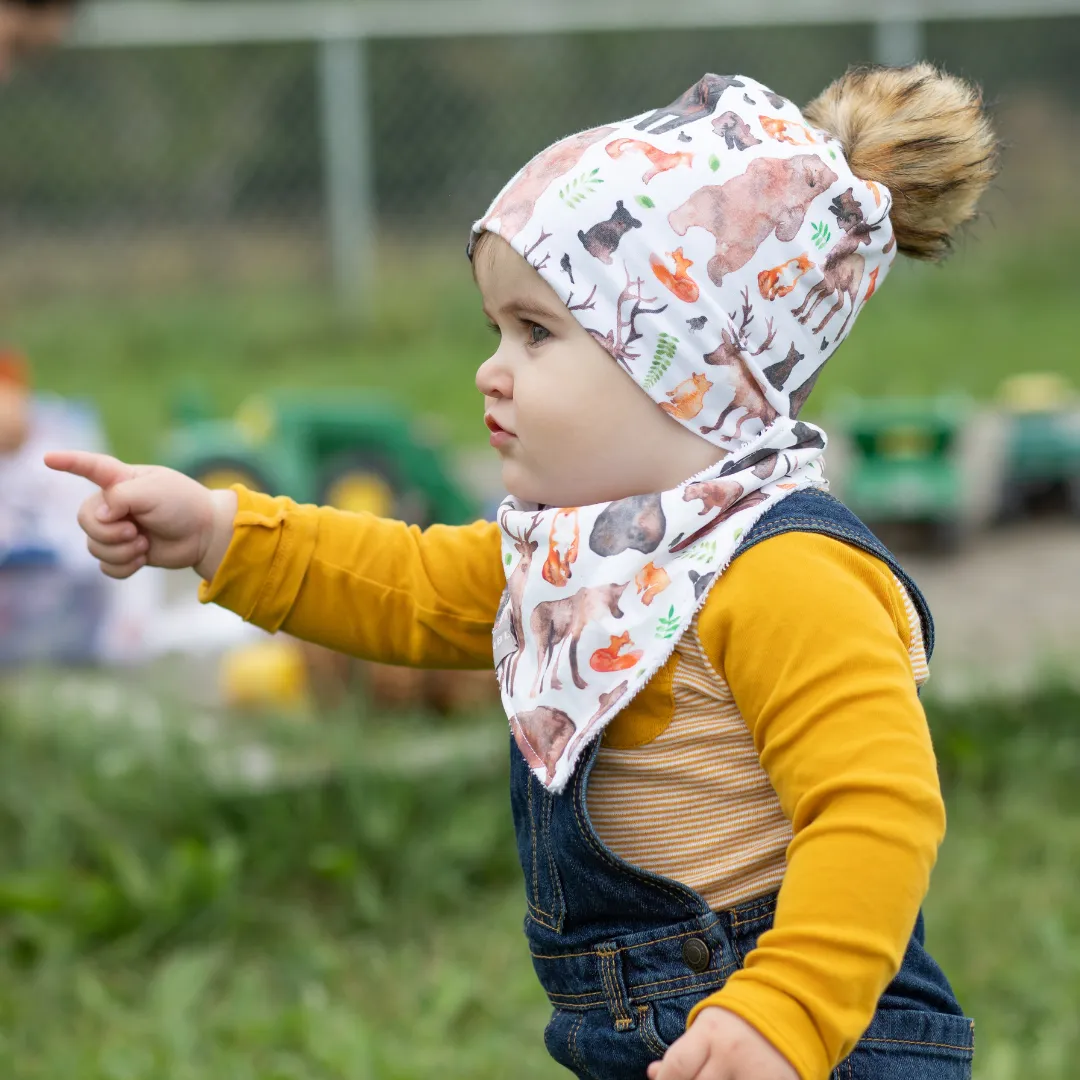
(570, 427)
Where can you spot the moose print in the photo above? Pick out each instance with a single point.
(660, 160)
(698, 102)
(516, 205)
(602, 240)
(735, 131)
(637, 522)
(845, 266)
(688, 398)
(556, 622)
(781, 280)
(773, 197)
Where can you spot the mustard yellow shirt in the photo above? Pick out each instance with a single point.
(810, 637)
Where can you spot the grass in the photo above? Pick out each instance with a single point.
(1000, 306)
(368, 924)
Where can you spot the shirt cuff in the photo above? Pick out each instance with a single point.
(777, 1017)
(272, 545)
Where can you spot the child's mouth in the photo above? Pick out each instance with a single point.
(499, 435)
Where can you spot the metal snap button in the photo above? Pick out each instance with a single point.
(696, 954)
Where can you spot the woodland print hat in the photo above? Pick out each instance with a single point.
(720, 250)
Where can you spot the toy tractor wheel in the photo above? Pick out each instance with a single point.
(361, 483)
(221, 473)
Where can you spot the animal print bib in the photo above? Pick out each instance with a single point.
(720, 250)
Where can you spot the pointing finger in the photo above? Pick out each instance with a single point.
(100, 469)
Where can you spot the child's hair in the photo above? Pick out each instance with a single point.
(922, 133)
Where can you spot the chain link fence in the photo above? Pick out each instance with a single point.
(163, 166)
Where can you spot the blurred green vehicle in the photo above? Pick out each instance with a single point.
(1042, 459)
(351, 450)
(905, 468)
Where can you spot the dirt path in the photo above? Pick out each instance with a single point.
(1007, 610)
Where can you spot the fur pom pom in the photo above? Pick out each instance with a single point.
(922, 133)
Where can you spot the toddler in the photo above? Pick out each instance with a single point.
(723, 786)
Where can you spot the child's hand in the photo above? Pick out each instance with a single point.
(721, 1046)
(146, 515)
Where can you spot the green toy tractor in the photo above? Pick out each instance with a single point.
(353, 451)
(1042, 469)
(904, 475)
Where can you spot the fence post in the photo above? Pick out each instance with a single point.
(899, 41)
(347, 172)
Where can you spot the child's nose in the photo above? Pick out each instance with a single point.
(493, 378)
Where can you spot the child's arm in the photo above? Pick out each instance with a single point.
(812, 638)
(362, 584)
(354, 582)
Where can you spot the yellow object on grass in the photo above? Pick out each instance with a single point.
(266, 674)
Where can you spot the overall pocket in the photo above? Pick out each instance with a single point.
(910, 1044)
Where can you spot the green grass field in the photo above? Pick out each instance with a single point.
(998, 307)
(369, 925)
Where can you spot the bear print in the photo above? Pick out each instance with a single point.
(735, 131)
(517, 203)
(637, 522)
(772, 196)
(602, 240)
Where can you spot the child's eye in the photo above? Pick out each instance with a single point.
(538, 334)
(494, 328)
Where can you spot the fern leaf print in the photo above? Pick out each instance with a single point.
(668, 625)
(666, 348)
(822, 235)
(580, 188)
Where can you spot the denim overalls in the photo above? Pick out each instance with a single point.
(625, 954)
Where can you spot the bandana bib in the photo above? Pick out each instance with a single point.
(719, 250)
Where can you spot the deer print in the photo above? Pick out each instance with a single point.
(845, 266)
(680, 283)
(779, 282)
(555, 623)
(562, 547)
(735, 131)
(660, 160)
(515, 591)
(650, 582)
(698, 102)
(688, 398)
(749, 395)
(612, 658)
(617, 342)
(781, 131)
